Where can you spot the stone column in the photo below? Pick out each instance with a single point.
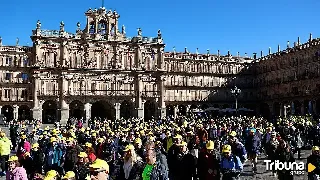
(187, 109)
(281, 109)
(87, 110)
(139, 102)
(64, 107)
(0, 110)
(161, 102)
(117, 106)
(37, 110)
(176, 111)
(15, 111)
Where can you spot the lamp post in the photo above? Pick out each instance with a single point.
(285, 110)
(236, 92)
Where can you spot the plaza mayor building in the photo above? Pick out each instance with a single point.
(99, 71)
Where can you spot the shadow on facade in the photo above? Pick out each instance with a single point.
(102, 110)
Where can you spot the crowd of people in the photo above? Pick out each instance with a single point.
(185, 148)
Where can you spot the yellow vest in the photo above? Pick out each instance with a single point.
(5, 146)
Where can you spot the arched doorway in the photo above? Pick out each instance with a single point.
(49, 112)
(76, 109)
(24, 113)
(149, 110)
(204, 107)
(276, 108)
(182, 110)
(170, 110)
(7, 111)
(297, 107)
(126, 110)
(102, 110)
(265, 110)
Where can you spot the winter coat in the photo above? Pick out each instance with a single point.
(187, 166)
(135, 172)
(208, 161)
(19, 173)
(159, 172)
(71, 158)
(252, 144)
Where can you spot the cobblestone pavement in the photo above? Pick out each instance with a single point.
(261, 174)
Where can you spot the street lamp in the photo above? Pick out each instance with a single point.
(285, 110)
(236, 92)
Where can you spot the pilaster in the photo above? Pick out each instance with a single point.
(161, 103)
(64, 107)
(117, 106)
(15, 111)
(175, 111)
(0, 109)
(87, 110)
(139, 104)
(37, 109)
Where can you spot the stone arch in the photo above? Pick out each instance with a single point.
(126, 109)
(170, 110)
(204, 106)
(149, 110)
(76, 109)
(193, 106)
(182, 110)
(7, 111)
(49, 111)
(24, 113)
(102, 110)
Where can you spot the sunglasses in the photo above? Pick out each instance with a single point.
(96, 172)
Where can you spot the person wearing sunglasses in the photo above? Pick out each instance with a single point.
(99, 170)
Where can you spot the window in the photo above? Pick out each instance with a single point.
(24, 77)
(7, 93)
(24, 93)
(92, 28)
(25, 61)
(93, 87)
(8, 76)
(8, 60)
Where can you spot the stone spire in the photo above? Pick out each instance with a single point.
(279, 48)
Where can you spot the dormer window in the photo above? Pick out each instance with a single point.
(92, 28)
(102, 27)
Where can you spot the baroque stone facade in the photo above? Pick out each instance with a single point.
(100, 72)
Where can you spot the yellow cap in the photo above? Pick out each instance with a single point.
(182, 144)
(137, 141)
(51, 173)
(100, 164)
(69, 174)
(53, 139)
(2, 134)
(178, 136)
(315, 148)
(82, 154)
(233, 134)
(100, 140)
(210, 145)
(13, 158)
(88, 144)
(226, 148)
(35, 145)
(23, 136)
(129, 147)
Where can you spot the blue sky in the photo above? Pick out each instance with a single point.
(239, 26)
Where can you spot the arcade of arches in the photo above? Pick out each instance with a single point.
(126, 109)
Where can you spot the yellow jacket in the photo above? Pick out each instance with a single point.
(5, 146)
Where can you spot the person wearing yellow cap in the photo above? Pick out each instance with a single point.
(54, 156)
(231, 166)
(23, 146)
(172, 155)
(99, 169)
(208, 164)
(314, 159)
(237, 147)
(81, 167)
(138, 147)
(52, 175)
(131, 167)
(37, 158)
(15, 170)
(168, 141)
